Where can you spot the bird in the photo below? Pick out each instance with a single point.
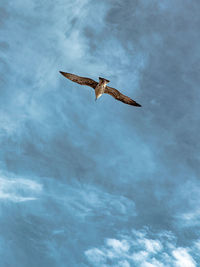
(100, 88)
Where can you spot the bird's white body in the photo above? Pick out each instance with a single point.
(100, 88)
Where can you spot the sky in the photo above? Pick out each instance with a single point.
(85, 183)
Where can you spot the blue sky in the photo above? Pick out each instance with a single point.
(85, 183)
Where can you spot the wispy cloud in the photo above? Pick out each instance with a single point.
(87, 201)
(18, 189)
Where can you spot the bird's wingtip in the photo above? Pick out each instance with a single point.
(136, 104)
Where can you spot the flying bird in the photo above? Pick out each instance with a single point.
(100, 88)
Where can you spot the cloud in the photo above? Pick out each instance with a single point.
(18, 189)
(137, 249)
(183, 258)
(86, 201)
(61, 208)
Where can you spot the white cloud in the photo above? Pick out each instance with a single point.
(118, 246)
(152, 246)
(18, 190)
(138, 249)
(140, 256)
(96, 256)
(183, 258)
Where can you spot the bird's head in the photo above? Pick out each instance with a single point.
(102, 80)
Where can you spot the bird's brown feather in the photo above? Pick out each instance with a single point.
(119, 96)
(80, 80)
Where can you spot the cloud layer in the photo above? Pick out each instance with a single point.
(99, 170)
(138, 249)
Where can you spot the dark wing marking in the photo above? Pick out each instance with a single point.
(80, 80)
(119, 96)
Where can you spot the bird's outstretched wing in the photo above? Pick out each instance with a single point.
(80, 80)
(119, 96)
